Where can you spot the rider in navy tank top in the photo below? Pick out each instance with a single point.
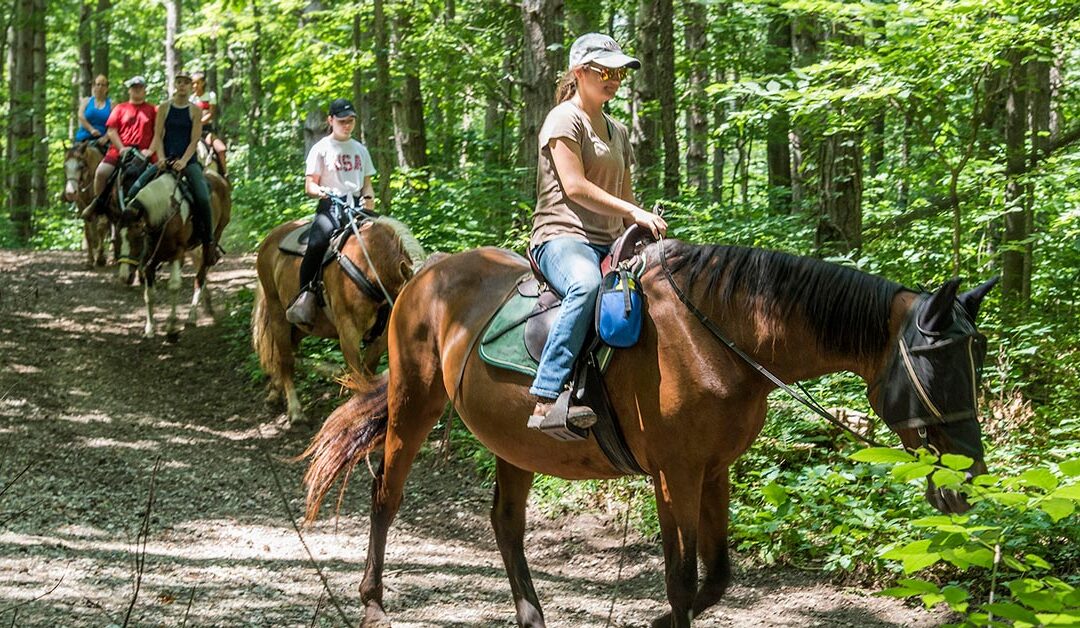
(176, 135)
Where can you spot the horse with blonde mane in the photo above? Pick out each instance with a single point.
(381, 256)
(689, 398)
(156, 228)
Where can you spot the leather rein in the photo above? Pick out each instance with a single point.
(805, 398)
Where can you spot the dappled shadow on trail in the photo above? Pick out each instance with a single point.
(91, 406)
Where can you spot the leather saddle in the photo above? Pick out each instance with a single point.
(514, 339)
(296, 241)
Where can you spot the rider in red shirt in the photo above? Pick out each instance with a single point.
(130, 125)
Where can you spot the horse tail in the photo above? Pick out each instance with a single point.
(351, 432)
(262, 334)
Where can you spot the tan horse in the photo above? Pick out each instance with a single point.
(687, 404)
(156, 228)
(350, 313)
(80, 163)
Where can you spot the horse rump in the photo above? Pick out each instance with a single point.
(352, 431)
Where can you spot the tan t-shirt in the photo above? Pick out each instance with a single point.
(605, 164)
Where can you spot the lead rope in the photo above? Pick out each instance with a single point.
(806, 398)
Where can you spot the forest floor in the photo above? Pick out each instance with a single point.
(88, 407)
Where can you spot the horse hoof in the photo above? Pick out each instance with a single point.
(172, 337)
(374, 617)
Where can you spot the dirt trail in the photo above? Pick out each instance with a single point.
(91, 405)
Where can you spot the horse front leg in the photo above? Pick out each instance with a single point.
(172, 323)
(678, 504)
(508, 519)
(713, 540)
(415, 403)
(200, 294)
(149, 275)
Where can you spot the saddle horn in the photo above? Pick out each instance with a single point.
(972, 299)
(937, 314)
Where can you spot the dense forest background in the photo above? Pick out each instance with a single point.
(917, 140)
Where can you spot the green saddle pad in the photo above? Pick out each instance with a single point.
(503, 341)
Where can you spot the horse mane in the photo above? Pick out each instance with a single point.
(848, 310)
(409, 243)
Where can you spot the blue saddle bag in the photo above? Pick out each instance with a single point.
(619, 309)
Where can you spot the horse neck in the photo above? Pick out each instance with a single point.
(159, 205)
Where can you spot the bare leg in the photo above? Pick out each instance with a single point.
(101, 175)
(508, 518)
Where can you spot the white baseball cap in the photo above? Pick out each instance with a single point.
(602, 50)
(135, 80)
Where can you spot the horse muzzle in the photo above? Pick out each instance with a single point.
(951, 501)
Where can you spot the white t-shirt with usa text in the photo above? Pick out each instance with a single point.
(340, 166)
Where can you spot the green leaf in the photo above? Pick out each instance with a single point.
(985, 480)
(1069, 491)
(881, 454)
(948, 478)
(1070, 468)
(774, 493)
(1040, 478)
(956, 461)
(939, 520)
(930, 600)
(1037, 561)
(1013, 563)
(919, 585)
(910, 471)
(956, 597)
(1008, 610)
(1058, 509)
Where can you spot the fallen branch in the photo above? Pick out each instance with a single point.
(140, 542)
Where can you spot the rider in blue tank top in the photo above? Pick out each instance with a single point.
(94, 111)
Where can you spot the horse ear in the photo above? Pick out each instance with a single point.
(972, 299)
(937, 314)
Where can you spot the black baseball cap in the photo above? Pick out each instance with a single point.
(342, 108)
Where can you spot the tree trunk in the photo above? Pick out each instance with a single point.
(666, 86)
(840, 181)
(102, 24)
(380, 141)
(778, 148)
(697, 123)
(172, 27)
(40, 150)
(646, 98)
(542, 22)
(1039, 76)
(1016, 114)
(496, 107)
(20, 121)
(408, 102)
(86, 48)
(254, 126)
(806, 36)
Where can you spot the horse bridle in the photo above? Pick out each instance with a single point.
(376, 290)
(901, 354)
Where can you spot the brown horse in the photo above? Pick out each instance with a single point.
(156, 228)
(350, 314)
(687, 404)
(80, 163)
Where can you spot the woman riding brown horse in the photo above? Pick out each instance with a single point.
(350, 314)
(687, 404)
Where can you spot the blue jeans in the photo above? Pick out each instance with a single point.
(573, 269)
